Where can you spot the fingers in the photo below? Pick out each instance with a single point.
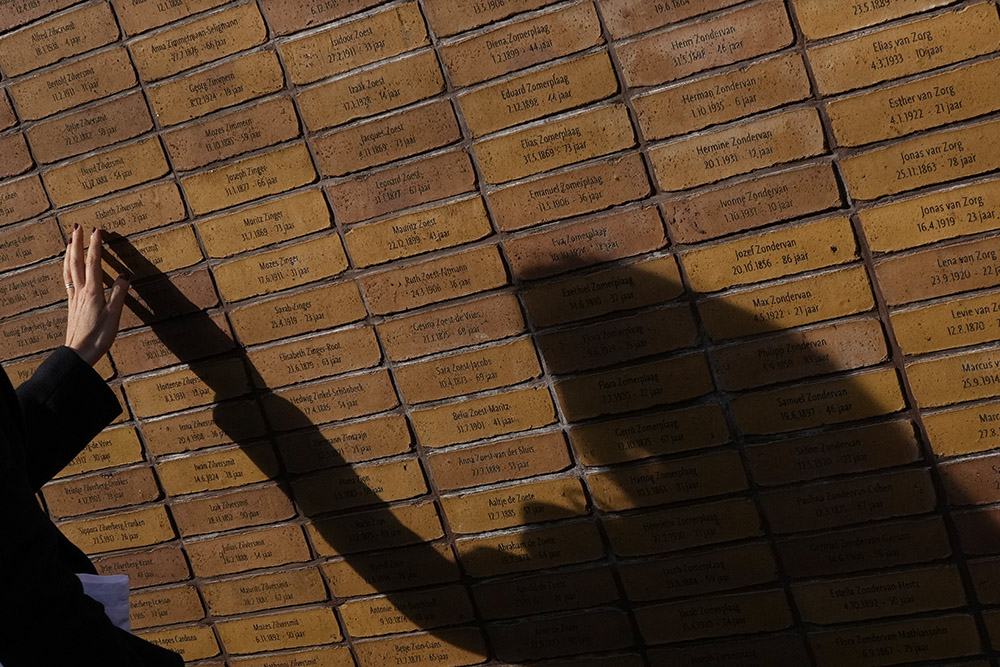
(117, 300)
(67, 275)
(94, 281)
(76, 268)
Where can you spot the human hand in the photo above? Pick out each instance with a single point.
(93, 321)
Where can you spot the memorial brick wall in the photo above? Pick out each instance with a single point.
(594, 333)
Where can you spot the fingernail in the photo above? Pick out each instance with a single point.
(93, 229)
(127, 275)
(76, 226)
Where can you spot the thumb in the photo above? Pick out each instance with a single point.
(117, 299)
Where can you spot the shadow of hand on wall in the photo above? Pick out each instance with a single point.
(654, 441)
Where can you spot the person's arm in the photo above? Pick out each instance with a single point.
(66, 403)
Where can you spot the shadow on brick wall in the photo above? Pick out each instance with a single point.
(665, 472)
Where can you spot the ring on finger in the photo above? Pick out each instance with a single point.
(69, 285)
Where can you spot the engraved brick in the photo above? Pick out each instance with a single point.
(137, 528)
(906, 108)
(932, 217)
(162, 565)
(539, 93)
(879, 596)
(264, 224)
(614, 341)
(285, 16)
(580, 297)
(450, 648)
(165, 606)
(37, 286)
(581, 244)
(572, 192)
(32, 333)
(720, 40)
(825, 18)
(954, 378)
(67, 86)
(924, 639)
(273, 270)
(17, 159)
(771, 255)
(722, 98)
(330, 656)
(187, 388)
(530, 549)
(747, 612)
(203, 428)
(28, 243)
(505, 507)
(135, 211)
(474, 419)
(95, 127)
(373, 91)
(218, 87)
(398, 569)
(264, 591)
(540, 38)
(52, 40)
(416, 233)
(974, 533)
(468, 372)
(661, 483)
(375, 529)
(752, 204)
(738, 149)
(681, 576)
(198, 42)
(326, 354)
(896, 51)
(403, 186)
(354, 44)
(511, 598)
(628, 17)
(506, 460)
(434, 280)
(106, 172)
(106, 490)
(251, 178)
(336, 445)
(263, 547)
(239, 509)
(955, 268)
(302, 627)
(365, 393)
(634, 387)
(218, 469)
(788, 304)
(407, 612)
(113, 447)
(190, 339)
(291, 314)
(857, 396)
(7, 116)
(800, 354)
(345, 488)
(964, 431)
(635, 438)
(141, 15)
(383, 140)
(154, 254)
(691, 526)
(833, 453)
(555, 143)
(840, 503)
(224, 136)
(879, 546)
(191, 642)
(590, 631)
(927, 159)
(448, 17)
(470, 323)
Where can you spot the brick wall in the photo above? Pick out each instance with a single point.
(594, 333)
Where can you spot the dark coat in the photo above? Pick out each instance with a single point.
(45, 619)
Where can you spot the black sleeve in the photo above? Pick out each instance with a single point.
(65, 405)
